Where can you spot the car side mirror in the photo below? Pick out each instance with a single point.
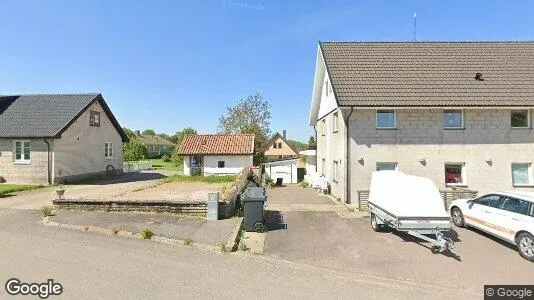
(470, 203)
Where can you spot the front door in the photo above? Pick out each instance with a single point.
(197, 163)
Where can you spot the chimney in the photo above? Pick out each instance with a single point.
(284, 133)
(138, 132)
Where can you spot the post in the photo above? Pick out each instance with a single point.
(213, 206)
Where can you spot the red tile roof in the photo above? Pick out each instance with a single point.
(218, 144)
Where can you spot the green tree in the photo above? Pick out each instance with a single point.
(312, 145)
(164, 136)
(135, 150)
(129, 133)
(179, 137)
(298, 146)
(250, 115)
(149, 132)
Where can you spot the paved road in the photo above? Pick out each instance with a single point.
(326, 240)
(95, 266)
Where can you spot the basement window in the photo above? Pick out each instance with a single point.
(220, 164)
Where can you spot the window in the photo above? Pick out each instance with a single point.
(108, 150)
(489, 200)
(94, 118)
(334, 122)
(220, 164)
(521, 174)
(453, 118)
(520, 119)
(22, 152)
(383, 166)
(323, 166)
(455, 174)
(323, 129)
(515, 205)
(279, 145)
(274, 145)
(385, 119)
(335, 170)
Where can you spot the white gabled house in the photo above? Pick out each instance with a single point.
(217, 154)
(459, 113)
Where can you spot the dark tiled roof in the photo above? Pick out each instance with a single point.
(148, 139)
(431, 73)
(48, 115)
(218, 144)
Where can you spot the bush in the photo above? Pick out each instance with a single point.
(166, 158)
(47, 211)
(304, 184)
(146, 234)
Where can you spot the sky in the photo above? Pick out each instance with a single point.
(167, 65)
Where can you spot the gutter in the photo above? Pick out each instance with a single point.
(347, 165)
(316, 162)
(48, 161)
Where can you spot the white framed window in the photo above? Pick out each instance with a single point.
(94, 118)
(335, 122)
(386, 119)
(386, 166)
(323, 129)
(108, 150)
(323, 166)
(279, 145)
(455, 174)
(335, 170)
(520, 118)
(453, 119)
(22, 152)
(274, 146)
(522, 174)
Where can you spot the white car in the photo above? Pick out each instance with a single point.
(506, 215)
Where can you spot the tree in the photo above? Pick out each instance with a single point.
(250, 115)
(165, 136)
(135, 150)
(129, 133)
(312, 145)
(149, 132)
(178, 138)
(298, 146)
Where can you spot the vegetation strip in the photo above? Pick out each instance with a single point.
(11, 188)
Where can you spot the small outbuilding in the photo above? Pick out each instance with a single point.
(216, 154)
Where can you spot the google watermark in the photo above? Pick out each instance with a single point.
(509, 292)
(43, 290)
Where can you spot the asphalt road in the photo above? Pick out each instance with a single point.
(97, 266)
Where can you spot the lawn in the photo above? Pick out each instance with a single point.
(159, 164)
(11, 188)
(207, 179)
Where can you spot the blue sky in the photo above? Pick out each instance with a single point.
(167, 65)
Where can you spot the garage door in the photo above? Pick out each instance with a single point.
(283, 172)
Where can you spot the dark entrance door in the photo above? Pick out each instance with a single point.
(197, 162)
(300, 174)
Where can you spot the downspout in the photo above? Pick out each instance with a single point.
(347, 160)
(48, 161)
(316, 161)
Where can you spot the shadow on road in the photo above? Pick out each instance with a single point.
(124, 178)
(275, 220)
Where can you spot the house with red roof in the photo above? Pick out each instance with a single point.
(216, 154)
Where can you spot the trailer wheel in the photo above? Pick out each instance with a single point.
(457, 217)
(435, 250)
(374, 223)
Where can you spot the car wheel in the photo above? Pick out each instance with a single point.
(374, 223)
(457, 217)
(525, 245)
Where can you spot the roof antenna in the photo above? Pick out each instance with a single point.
(414, 26)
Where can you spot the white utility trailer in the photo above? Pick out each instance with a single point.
(409, 204)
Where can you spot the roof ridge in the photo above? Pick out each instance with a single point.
(53, 94)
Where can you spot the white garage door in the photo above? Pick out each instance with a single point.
(283, 172)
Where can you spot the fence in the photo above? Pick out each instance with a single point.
(136, 166)
(446, 196)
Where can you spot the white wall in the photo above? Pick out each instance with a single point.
(328, 103)
(187, 168)
(233, 164)
(287, 170)
(311, 164)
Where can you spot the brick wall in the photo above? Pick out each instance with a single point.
(36, 172)
(420, 134)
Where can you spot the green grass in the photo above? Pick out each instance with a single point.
(11, 188)
(206, 179)
(159, 164)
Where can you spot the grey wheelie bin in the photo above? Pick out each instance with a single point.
(254, 213)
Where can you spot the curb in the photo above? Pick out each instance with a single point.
(159, 239)
(233, 242)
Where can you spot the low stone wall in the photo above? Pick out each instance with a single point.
(227, 206)
(197, 208)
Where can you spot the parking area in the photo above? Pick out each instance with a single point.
(324, 239)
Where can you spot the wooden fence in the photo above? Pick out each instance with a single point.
(447, 196)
